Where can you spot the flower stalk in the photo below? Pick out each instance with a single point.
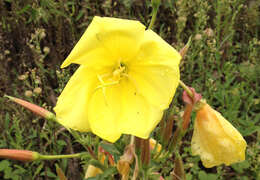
(27, 156)
(186, 88)
(155, 5)
(63, 156)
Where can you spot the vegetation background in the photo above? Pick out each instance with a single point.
(222, 63)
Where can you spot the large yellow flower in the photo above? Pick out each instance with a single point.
(127, 77)
(215, 139)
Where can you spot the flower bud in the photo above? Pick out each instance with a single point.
(34, 108)
(185, 49)
(20, 155)
(215, 140)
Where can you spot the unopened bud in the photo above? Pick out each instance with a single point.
(34, 108)
(184, 50)
(20, 155)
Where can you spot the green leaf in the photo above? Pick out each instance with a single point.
(110, 148)
(204, 176)
(38, 170)
(240, 167)
(61, 143)
(49, 174)
(4, 164)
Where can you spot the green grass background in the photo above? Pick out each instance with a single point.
(222, 63)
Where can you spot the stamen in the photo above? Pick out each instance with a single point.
(102, 86)
(112, 78)
(118, 72)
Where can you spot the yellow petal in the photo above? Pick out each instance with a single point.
(138, 116)
(155, 70)
(72, 103)
(121, 111)
(155, 51)
(104, 113)
(215, 139)
(106, 41)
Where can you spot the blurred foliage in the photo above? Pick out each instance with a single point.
(222, 63)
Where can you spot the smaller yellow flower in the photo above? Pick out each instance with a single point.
(153, 145)
(92, 171)
(215, 139)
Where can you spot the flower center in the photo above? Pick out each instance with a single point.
(112, 78)
(119, 72)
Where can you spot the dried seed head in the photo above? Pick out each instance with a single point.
(37, 90)
(28, 93)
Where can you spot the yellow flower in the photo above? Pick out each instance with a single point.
(152, 143)
(126, 79)
(92, 171)
(215, 139)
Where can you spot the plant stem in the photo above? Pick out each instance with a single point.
(155, 10)
(186, 88)
(155, 6)
(51, 157)
(132, 140)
